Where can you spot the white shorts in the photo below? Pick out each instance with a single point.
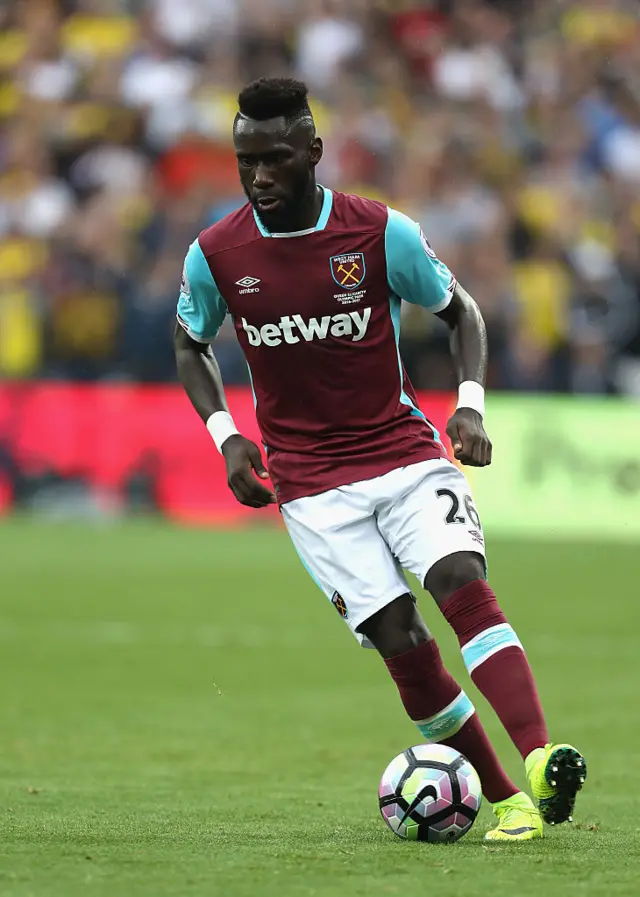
(355, 540)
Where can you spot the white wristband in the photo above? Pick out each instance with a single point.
(221, 426)
(471, 395)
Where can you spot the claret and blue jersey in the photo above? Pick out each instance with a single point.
(317, 314)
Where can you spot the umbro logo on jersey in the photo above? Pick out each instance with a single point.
(248, 285)
(292, 328)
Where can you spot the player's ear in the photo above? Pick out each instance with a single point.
(316, 151)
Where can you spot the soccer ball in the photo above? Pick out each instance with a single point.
(430, 793)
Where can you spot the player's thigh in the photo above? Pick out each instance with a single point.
(432, 516)
(342, 549)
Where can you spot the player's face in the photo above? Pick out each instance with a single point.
(276, 166)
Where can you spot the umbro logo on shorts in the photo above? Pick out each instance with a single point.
(339, 604)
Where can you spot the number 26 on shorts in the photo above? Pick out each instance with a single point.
(456, 513)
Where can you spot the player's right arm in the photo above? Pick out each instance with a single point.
(201, 311)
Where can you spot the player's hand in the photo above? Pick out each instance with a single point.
(470, 443)
(244, 464)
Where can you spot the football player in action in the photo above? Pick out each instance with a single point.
(313, 281)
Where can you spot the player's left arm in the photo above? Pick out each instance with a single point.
(469, 349)
(416, 275)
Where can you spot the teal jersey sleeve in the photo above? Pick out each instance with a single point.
(414, 273)
(201, 308)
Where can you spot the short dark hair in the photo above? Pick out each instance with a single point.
(275, 97)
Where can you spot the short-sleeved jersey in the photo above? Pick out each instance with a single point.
(317, 314)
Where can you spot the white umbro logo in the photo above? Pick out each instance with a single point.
(248, 285)
(248, 281)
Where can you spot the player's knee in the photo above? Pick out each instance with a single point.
(452, 573)
(397, 628)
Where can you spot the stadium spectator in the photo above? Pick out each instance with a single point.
(510, 130)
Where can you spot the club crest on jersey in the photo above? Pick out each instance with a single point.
(348, 270)
(338, 602)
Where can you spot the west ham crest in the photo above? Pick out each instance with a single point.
(339, 604)
(348, 270)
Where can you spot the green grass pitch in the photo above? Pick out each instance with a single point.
(182, 713)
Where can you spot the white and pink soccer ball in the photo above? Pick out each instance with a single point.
(430, 793)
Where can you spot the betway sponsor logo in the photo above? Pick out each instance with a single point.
(293, 328)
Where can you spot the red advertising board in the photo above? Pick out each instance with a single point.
(108, 437)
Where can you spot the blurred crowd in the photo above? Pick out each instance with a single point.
(510, 130)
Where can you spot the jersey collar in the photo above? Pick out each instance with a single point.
(327, 205)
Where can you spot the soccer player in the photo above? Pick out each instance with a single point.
(313, 281)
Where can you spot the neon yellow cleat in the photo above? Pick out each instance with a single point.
(518, 820)
(556, 773)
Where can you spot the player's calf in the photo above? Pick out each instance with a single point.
(492, 651)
